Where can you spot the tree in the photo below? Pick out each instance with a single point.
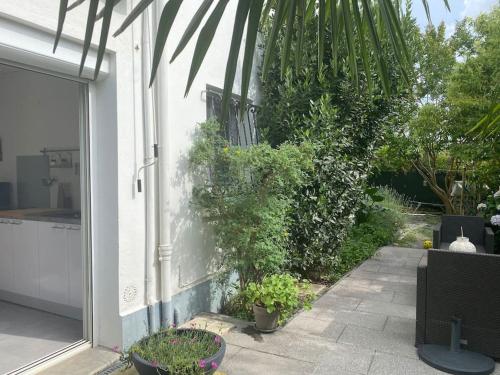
(473, 95)
(457, 84)
(359, 22)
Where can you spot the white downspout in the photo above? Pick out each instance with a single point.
(165, 244)
(149, 168)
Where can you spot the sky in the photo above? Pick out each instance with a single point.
(459, 9)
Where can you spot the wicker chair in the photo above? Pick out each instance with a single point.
(473, 226)
(463, 285)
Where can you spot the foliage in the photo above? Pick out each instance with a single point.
(178, 352)
(344, 126)
(474, 93)
(490, 211)
(360, 23)
(380, 228)
(454, 95)
(245, 194)
(280, 293)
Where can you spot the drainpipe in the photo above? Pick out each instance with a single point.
(149, 168)
(165, 245)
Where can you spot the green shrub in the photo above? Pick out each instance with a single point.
(325, 208)
(379, 229)
(281, 293)
(245, 195)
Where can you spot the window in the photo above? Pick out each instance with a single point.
(238, 131)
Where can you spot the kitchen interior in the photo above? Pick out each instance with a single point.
(41, 257)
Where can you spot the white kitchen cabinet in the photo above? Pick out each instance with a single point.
(53, 260)
(6, 258)
(24, 246)
(75, 265)
(43, 261)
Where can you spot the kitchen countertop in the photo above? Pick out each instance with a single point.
(51, 215)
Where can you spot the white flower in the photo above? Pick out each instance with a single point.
(495, 220)
(481, 206)
(497, 194)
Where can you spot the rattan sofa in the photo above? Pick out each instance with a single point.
(464, 285)
(450, 227)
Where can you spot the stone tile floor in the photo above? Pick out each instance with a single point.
(364, 325)
(27, 334)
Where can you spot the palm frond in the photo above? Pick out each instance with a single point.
(357, 22)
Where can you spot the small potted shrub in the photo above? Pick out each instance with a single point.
(275, 299)
(178, 351)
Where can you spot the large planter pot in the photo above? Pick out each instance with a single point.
(264, 321)
(144, 367)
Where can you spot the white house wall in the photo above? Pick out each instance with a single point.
(118, 228)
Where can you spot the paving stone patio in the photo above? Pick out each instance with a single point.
(363, 325)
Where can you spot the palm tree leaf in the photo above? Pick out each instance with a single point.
(397, 26)
(136, 12)
(288, 36)
(349, 33)
(300, 34)
(377, 47)
(273, 36)
(106, 23)
(101, 12)
(427, 10)
(234, 52)
(192, 27)
(321, 32)
(251, 40)
(204, 40)
(165, 24)
(75, 4)
(393, 37)
(63, 8)
(311, 8)
(267, 11)
(335, 30)
(362, 46)
(94, 4)
(447, 5)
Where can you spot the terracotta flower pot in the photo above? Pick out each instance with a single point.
(264, 321)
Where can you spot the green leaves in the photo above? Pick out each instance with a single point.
(232, 61)
(106, 22)
(192, 27)
(251, 39)
(350, 20)
(204, 40)
(88, 32)
(63, 8)
(136, 12)
(166, 21)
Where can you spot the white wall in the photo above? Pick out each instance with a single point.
(193, 250)
(118, 232)
(38, 111)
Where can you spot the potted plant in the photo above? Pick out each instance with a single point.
(275, 299)
(178, 351)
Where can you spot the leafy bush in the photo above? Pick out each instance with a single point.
(245, 195)
(325, 208)
(345, 126)
(178, 352)
(380, 228)
(281, 293)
